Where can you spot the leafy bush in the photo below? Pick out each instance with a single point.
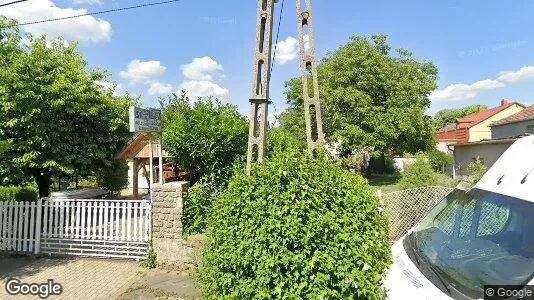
(418, 174)
(438, 159)
(297, 228)
(476, 170)
(18, 194)
(205, 137)
(197, 205)
(113, 178)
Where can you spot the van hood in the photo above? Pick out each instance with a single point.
(513, 173)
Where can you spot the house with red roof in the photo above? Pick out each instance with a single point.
(515, 125)
(477, 126)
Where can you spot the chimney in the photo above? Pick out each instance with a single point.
(504, 102)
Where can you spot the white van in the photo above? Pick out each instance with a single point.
(472, 239)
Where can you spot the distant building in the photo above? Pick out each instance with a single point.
(517, 124)
(477, 126)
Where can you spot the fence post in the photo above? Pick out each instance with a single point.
(38, 227)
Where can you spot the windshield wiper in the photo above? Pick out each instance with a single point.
(428, 263)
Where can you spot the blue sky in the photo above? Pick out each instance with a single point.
(483, 49)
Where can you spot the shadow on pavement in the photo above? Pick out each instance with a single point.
(22, 266)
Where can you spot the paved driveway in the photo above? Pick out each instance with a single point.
(81, 278)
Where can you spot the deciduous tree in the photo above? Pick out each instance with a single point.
(53, 112)
(449, 115)
(371, 97)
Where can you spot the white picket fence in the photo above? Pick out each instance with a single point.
(19, 223)
(101, 228)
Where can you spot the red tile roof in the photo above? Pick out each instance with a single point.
(524, 115)
(459, 131)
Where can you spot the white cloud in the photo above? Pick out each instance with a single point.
(143, 70)
(199, 78)
(288, 49)
(90, 2)
(83, 29)
(202, 69)
(461, 91)
(158, 88)
(203, 88)
(515, 76)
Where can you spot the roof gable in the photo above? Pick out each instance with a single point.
(524, 115)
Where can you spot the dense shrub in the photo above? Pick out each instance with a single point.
(204, 137)
(439, 159)
(113, 178)
(418, 174)
(18, 194)
(297, 228)
(197, 205)
(476, 170)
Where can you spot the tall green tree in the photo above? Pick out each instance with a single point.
(58, 119)
(449, 115)
(371, 98)
(205, 137)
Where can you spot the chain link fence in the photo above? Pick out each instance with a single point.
(405, 208)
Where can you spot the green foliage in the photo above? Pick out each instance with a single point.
(113, 178)
(370, 98)
(418, 174)
(150, 262)
(197, 205)
(205, 137)
(476, 170)
(297, 228)
(438, 159)
(449, 115)
(56, 116)
(17, 194)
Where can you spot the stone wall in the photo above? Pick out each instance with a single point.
(171, 248)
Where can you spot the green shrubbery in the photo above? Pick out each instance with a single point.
(197, 205)
(204, 137)
(476, 170)
(418, 174)
(297, 228)
(18, 194)
(439, 159)
(113, 178)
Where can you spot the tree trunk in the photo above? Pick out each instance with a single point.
(43, 179)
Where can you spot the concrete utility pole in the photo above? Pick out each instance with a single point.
(259, 102)
(308, 66)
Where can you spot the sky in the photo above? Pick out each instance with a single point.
(484, 50)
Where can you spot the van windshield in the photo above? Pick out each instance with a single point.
(478, 238)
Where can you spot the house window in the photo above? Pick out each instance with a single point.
(530, 129)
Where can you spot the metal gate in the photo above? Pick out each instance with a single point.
(97, 228)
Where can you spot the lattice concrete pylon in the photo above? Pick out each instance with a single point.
(259, 101)
(308, 66)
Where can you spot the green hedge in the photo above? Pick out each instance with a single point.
(298, 228)
(18, 194)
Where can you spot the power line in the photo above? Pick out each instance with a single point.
(97, 12)
(12, 2)
(277, 35)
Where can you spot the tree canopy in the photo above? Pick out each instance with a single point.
(371, 98)
(449, 115)
(55, 115)
(204, 137)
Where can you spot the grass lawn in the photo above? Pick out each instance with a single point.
(390, 182)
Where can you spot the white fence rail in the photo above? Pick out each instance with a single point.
(103, 228)
(407, 207)
(18, 226)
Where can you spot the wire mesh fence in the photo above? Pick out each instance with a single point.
(405, 208)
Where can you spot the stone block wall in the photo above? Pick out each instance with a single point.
(171, 248)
